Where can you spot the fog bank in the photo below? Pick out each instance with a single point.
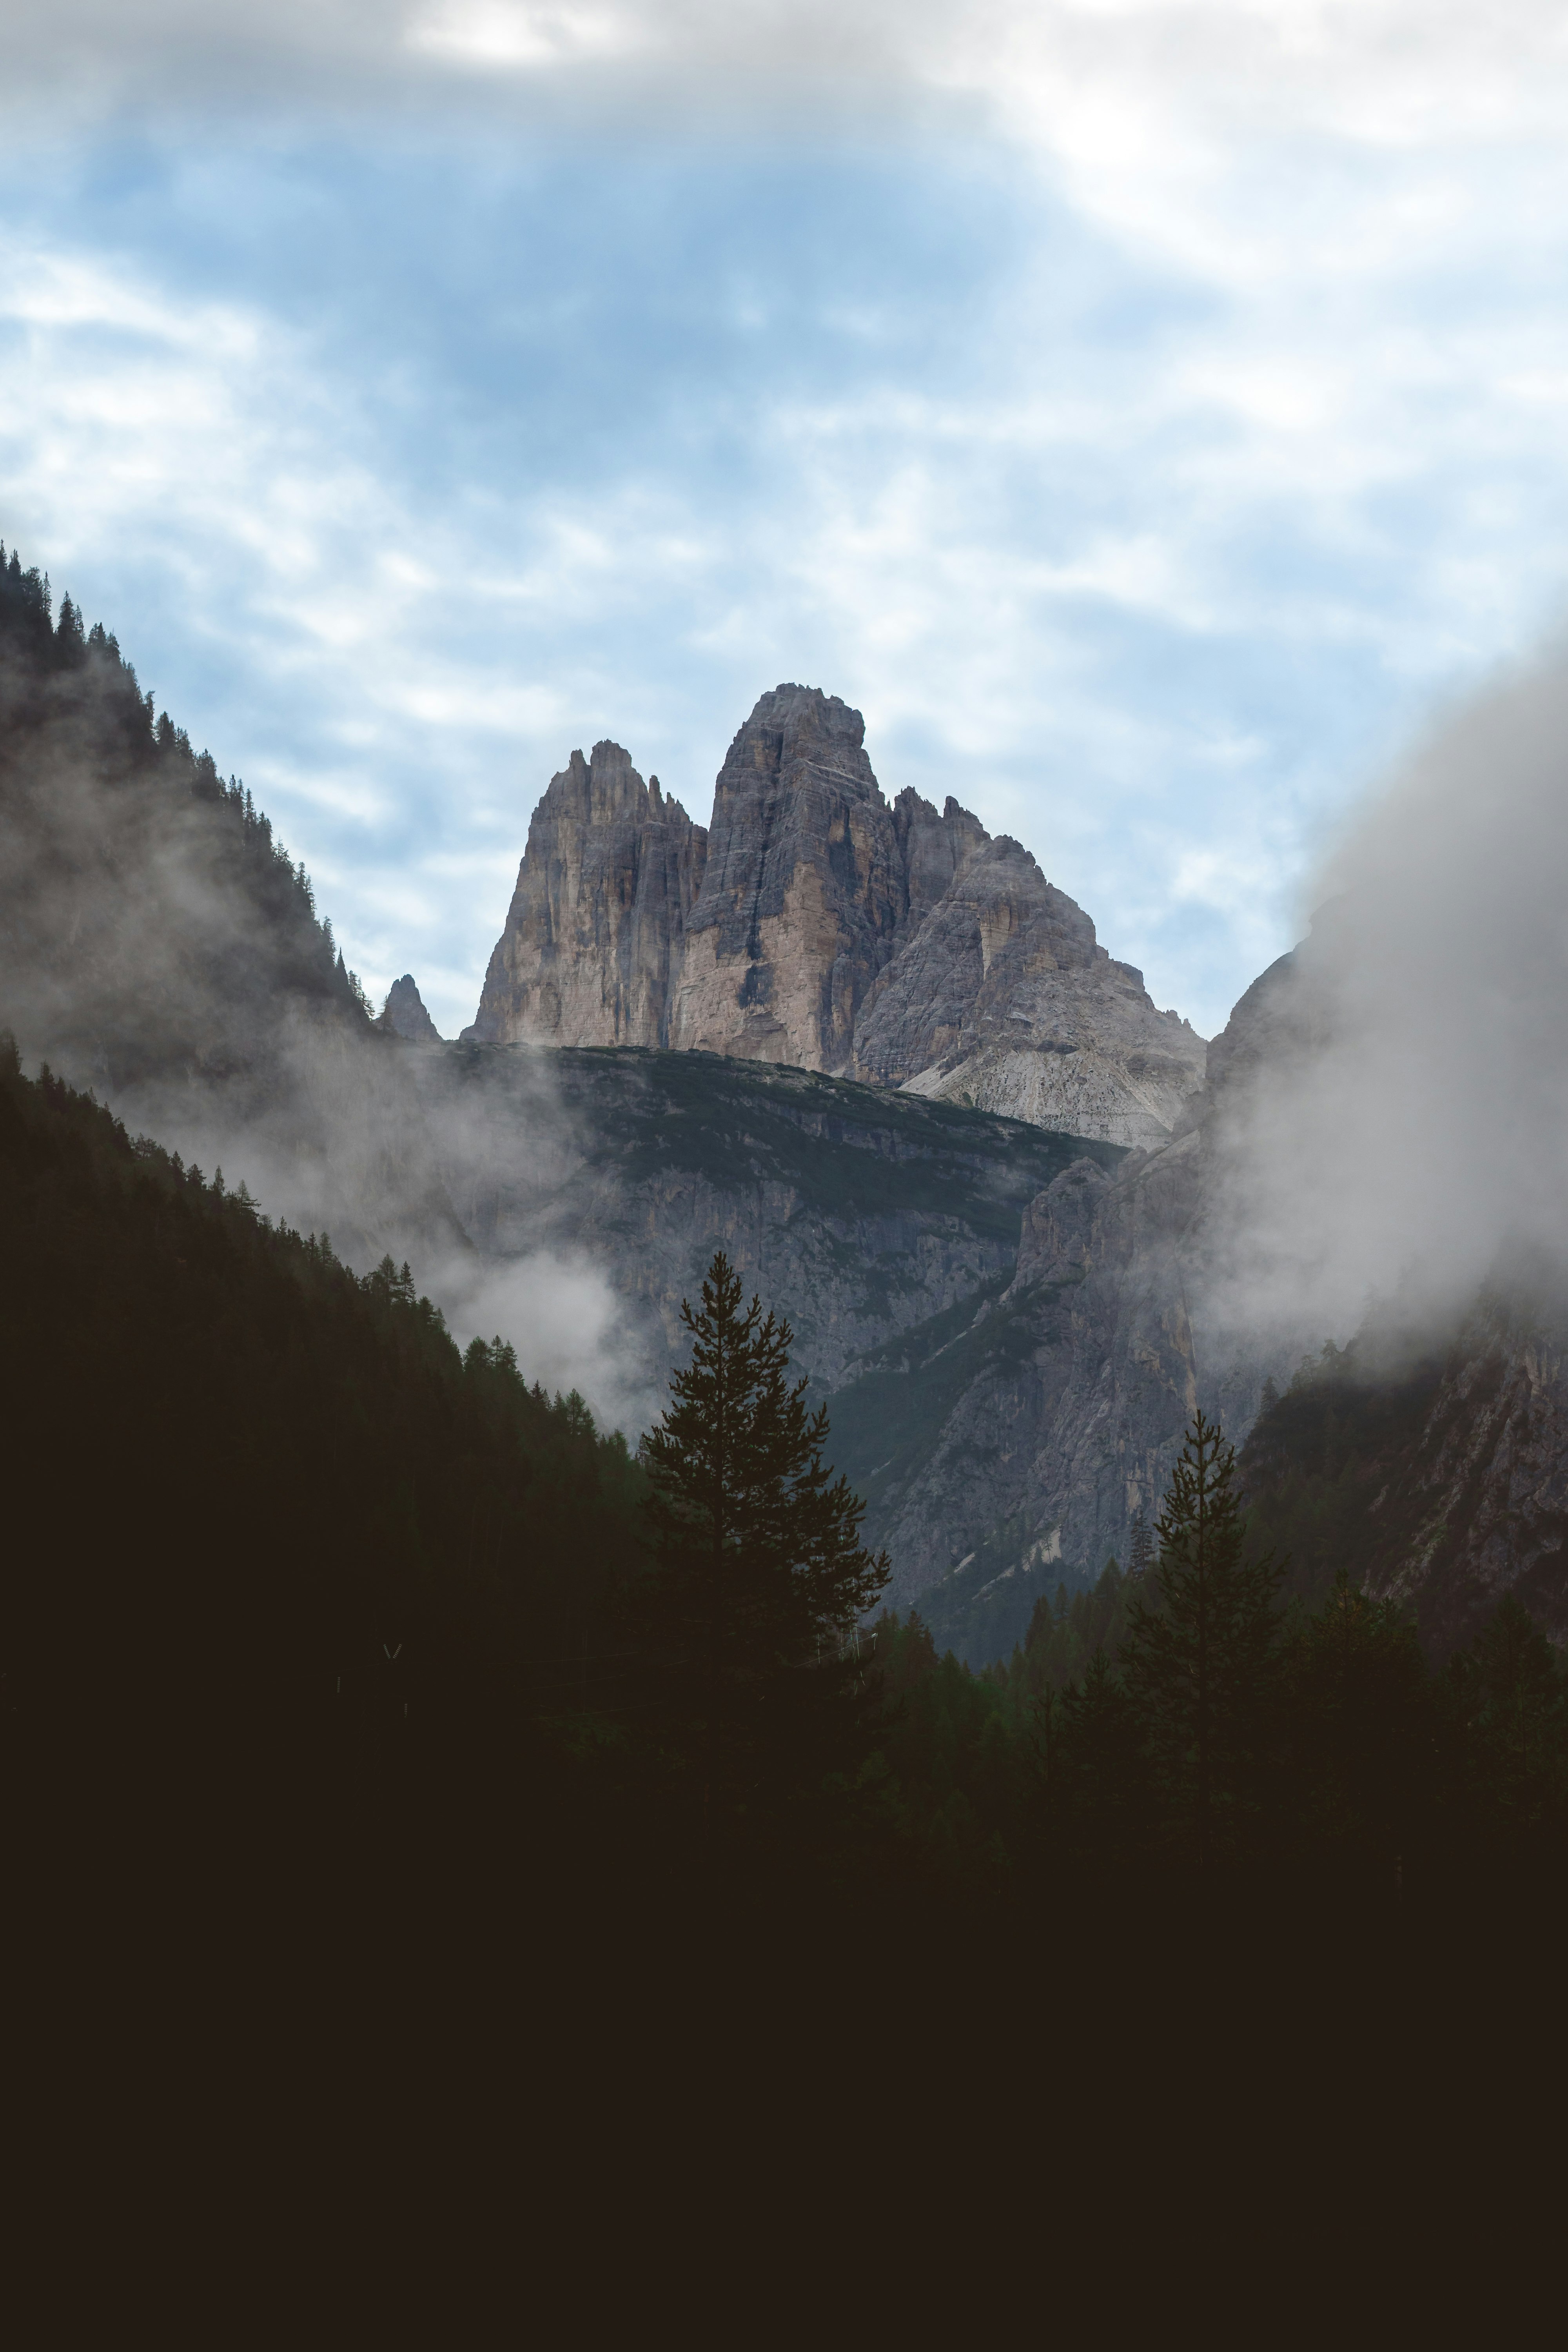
(1390, 1104)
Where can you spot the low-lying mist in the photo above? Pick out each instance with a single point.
(158, 946)
(1390, 1106)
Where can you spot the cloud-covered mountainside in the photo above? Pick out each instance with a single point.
(1013, 1321)
(160, 946)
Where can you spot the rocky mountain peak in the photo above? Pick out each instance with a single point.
(803, 891)
(934, 849)
(812, 924)
(404, 1014)
(1002, 997)
(595, 922)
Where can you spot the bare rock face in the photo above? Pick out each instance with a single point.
(594, 928)
(934, 849)
(1004, 999)
(816, 926)
(805, 890)
(404, 1016)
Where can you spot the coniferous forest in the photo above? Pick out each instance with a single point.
(285, 1567)
(300, 1597)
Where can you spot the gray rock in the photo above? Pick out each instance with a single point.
(1004, 998)
(404, 1016)
(804, 893)
(814, 925)
(593, 937)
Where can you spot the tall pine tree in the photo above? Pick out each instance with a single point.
(759, 1576)
(1200, 1657)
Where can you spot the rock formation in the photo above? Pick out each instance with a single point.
(815, 925)
(593, 932)
(404, 1016)
(804, 891)
(1003, 998)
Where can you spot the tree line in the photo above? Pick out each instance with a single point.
(282, 1555)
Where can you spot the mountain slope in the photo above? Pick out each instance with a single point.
(157, 943)
(273, 1538)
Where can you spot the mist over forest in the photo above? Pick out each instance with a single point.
(715, 1476)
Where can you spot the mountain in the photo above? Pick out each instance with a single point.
(404, 1014)
(1003, 998)
(598, 916)
(1011, 1312)
(979, 1299)
(158, 944)
(815, 925)
(1436, 1475)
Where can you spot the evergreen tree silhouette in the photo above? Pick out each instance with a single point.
(759, 1573)
(1200, 1657)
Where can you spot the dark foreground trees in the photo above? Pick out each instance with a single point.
(1201, 1654)
(759, 1577)
(287, 1585)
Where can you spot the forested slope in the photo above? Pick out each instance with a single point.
(158, 943)
(266, 1531)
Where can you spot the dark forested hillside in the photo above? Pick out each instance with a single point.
(1435, 1474)
(264, 1524)
(158, 943)
(150, 909)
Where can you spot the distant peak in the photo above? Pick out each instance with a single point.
(404, 1014)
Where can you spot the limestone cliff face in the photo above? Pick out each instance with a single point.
(1003, 998)
(594, 928)
(805, 890)
(816, 926)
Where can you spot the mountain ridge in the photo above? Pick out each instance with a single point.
(817, 924)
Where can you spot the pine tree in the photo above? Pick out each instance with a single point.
(1102, 1764)
(759, 1576)
(1200, 1657)
(1139, 1545)
(1519, 1685)
(1357, 1712)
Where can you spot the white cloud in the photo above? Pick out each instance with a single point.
(1119, 587)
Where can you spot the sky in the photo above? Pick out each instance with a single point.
(1150, 415)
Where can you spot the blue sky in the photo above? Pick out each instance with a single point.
(1149, 415)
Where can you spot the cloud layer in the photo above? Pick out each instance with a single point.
(1409, 1132)
(1141, 411)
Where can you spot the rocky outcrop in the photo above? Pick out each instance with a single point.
(804, 894)
(816, 926)
(1062, 1405)
(404, 1016)
(1003, 998)
(593, 937)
